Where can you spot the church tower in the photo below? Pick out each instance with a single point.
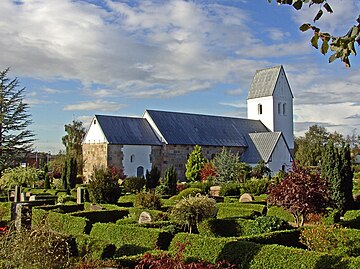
(270, 100)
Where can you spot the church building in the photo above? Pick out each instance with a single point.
(166, 138)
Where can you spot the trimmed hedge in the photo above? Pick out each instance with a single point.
(236, 212)
(102, 215)
(121, 235)
(93, 248)
(256, 256)
(63, 208)
(6, 206)
(38, 217)
(352, 219)
(156, 215)
(279, 212)
(67, 224)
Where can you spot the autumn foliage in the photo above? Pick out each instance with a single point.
(301, 192)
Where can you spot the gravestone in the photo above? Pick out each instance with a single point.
(144, 217)
(215, 190)
(23, 197)
(80, 195)
(21, 215)
(32, 197)
(246, 197)
(96, 207)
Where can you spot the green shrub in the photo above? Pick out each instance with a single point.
(203, 186)
(133, 184)
(122, 235)
(102, 215)
(38, 217)
(188, 192)
(352, 219)
(265, 224)
(219, 227)
(38, 248)
(67, 224)
(256, 186)
(104, 187)
(252, 255)
(236, 212)
(230, 189)
(147, 200)
(332, 216)
(332, 239)
(279, 212)
(93, 248)
(5, 211)
(156, 215)
(190, 211)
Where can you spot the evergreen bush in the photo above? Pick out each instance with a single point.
(147, 200)
(133, 184)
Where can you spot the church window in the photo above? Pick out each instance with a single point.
(94, 121)
(132, 158)
(284, 109)
(279, 108)
(260, 109)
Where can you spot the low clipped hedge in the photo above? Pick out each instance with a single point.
(38, 217)
(130, 235)
(280, 212)
(93, 248)
(63, 208)
(102, 215)
(256, 256)
(352, 219)
(6, 207)
(236, 212)
(156, 215)
(67, 224)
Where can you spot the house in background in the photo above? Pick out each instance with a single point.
(165, 138)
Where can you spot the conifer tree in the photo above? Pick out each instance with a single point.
(152, 178)
(194, 164)
(170, 180)
(46, 177)
(71, 173)
(15, 138)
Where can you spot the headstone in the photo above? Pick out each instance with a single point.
(32, 198)
(144, 217)
(215, 190)
(96, 207)
(21, 215)
(246, 197)
(23, 197)
(17, 193)
(80, 195)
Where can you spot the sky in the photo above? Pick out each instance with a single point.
(78, 58)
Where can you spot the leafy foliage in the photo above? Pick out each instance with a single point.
(189, 192)
(336, 168)
(147, 200)
(190, 211)
(229, 168)
(104, 187)
(22, 176)
(260, 170)
(133, 184)
(208, 172)
(266, 224)
(342, 46)
(301, 192)
(194, 164)
(72, 142)
(15, 138)
(256, 186)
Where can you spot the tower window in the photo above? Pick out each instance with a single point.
(260, 109)
(132, 158)
(279, 108)
(284, 109)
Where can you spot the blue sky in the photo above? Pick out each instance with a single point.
(80, 58)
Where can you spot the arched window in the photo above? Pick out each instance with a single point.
(140, 171)
(132, 158)
(260, 109)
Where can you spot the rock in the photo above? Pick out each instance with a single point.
(96, 207)
(246, 197)
(144, 217)
(215, 190)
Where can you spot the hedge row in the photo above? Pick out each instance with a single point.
(67, 224)
(280, 212)
(102, 215)
(352, 219)
(6, 207)
(63, 208)
(132, 236)
(156, 215)
(236, 212)
(93, 248)
(256, 256)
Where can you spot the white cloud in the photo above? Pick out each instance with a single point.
(51, 91)
(95, 105)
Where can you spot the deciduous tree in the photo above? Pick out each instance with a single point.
(301, 192)
(15, 137)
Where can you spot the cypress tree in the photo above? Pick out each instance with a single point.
(47, 177)
(71, 173)
(347, 174)
(170, 180)
(64, 176)
(152, 178)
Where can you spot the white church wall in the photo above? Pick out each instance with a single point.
(135, 156)
(95, 134)
(280, 157)
(265, 115)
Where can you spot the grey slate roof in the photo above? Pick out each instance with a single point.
(261, 146)
(264, 82)
(195, 129)
(127, 130)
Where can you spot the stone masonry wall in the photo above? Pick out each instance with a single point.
(115, 156)
(94, 155)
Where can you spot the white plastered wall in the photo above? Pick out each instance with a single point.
(280, 156)
(135, 156)
(267, 115)
(95, 134)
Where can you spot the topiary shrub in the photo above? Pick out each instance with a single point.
(219, 227)
(147, 200)
(190, 211)
(103, 187)
(189, 192)
(265, 224)
(133, 184)
(230, 189)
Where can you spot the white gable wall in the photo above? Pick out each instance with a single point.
(95, 134)
(283, 109)
(136, 156)
(280, 156)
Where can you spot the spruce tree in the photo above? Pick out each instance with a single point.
(347, 174)
(15, 138)
(194, 164)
